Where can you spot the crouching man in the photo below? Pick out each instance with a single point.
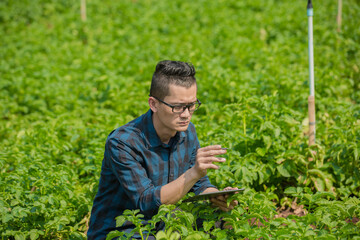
(156, 158)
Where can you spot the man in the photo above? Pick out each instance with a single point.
(156, 158)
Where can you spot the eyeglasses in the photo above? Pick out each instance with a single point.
(192, 107)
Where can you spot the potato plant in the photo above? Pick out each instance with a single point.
(65, 84)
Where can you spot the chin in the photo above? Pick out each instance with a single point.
(182, 128)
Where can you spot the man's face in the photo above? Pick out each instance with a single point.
(173, 122)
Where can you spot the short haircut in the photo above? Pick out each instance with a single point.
(171, 72)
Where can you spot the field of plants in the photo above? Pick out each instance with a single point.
(65, 84)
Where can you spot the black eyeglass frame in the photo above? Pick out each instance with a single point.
(183, 106)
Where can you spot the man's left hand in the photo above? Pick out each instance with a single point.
(221, 201)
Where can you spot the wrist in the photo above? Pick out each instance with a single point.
(210, 190)
(194, 174)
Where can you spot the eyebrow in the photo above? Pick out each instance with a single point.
(183, 104)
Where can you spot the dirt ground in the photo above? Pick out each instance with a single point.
(294, 209)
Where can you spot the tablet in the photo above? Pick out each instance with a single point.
(206, 196)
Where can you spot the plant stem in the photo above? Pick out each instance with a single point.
(141, 234)
(244, 127)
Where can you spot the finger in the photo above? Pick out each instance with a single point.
(234, 203)
(215, 152)
(225, 209)
(210, 159)
(230, 207)
(220, 207)
(210, 166)
(210, 147)
(212, 153)
(219, 203)
(221, 198)
(205, 164)
(226, 197)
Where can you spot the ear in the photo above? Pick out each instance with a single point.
(153, 104)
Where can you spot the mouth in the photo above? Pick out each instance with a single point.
(183, 123)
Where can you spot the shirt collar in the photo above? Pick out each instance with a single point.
(149, 130)
(181, 136)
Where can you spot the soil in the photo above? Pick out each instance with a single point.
(294, 209)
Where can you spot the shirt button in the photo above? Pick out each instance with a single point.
(171, 175)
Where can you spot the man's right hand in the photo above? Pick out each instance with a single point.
(206, 157)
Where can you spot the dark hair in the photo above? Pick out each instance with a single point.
(171, 72)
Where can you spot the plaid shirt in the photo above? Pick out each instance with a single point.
(136, 165)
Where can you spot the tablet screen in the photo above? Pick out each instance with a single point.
(206, 196)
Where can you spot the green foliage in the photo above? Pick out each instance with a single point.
(65, 84)
(254, 217)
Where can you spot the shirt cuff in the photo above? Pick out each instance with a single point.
(157, 196)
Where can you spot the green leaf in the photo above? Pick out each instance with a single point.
(184, 231)
(6, 218)
(283, 170)
(319, 183)
(277, 131)
(208, 225)
(290, 190)
(14, 202)
(120, 220)
(261, 151)
(161, 235)
(114, 234)
(261, 176)
(267, 140)
(20, 236)
(196, 236)
(175, 236)
(221, 235)
(34, 234)
(326, 236)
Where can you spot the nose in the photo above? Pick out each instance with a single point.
(185, 113)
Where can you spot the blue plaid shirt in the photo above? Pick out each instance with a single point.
(136, 165)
